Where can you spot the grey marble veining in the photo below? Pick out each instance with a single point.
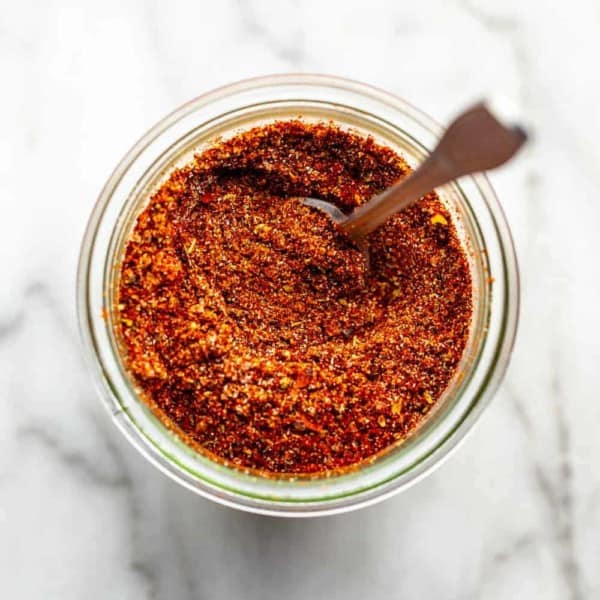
(514, 514)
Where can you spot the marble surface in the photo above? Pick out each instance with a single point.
(514, 514)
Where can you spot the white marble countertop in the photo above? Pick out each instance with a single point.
(514, 514)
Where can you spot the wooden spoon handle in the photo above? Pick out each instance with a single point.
(475, 141)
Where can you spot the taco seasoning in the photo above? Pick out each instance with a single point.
(255, 330)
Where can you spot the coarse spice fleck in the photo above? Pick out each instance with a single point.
(254, 328)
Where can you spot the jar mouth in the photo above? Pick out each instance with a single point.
(394, 123)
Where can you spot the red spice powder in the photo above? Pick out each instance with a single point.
(253, 327)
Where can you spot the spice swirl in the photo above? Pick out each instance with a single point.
(253, 327)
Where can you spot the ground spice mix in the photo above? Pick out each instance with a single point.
(255, 329)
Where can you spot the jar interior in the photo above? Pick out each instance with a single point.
(394, 460)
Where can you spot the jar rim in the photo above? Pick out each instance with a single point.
(361, 496)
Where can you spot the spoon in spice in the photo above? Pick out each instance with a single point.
(475, 141)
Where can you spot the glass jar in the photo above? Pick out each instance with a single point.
(392, 122)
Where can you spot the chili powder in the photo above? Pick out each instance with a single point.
(255, 330)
